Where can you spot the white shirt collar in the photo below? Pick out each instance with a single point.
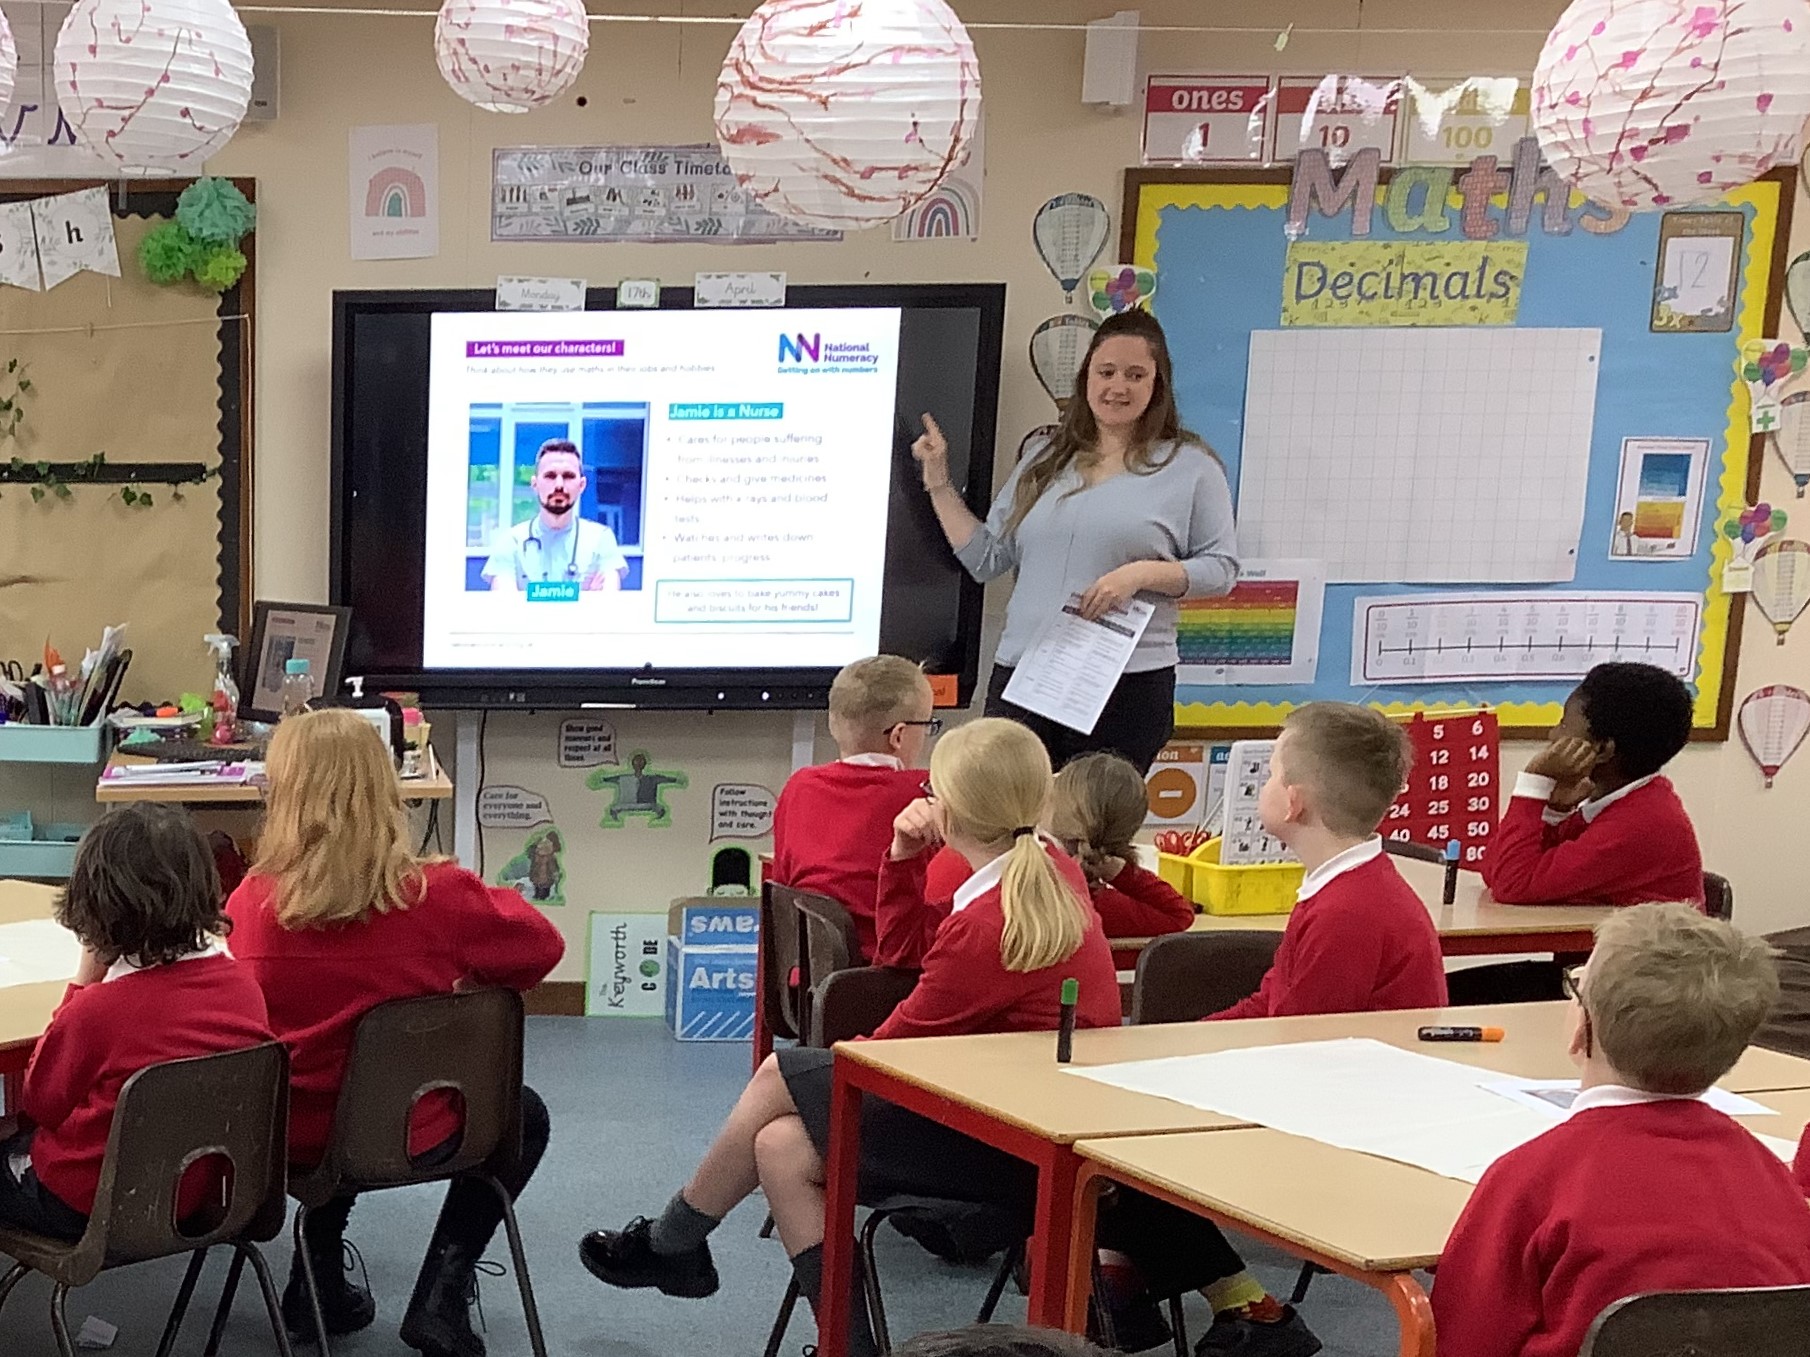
(875, 761)
(980, 883)
(1597, 805)
(1338, 864)
(216, 946)
(1620, 1095)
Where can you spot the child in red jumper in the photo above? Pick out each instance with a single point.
(1644, 1187)
(1021, 926)
(337, 917)
(833, 823)
(155, 983)
(1591, 820)
(1359, 939)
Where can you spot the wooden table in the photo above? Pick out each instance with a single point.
(25, 1010)
(1473, 925)
(434, 786)
(1373, 1220)
(1007, 1091)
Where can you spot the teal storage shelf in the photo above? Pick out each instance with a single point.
(52, 744)
(48, 856)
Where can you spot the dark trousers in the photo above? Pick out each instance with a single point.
(1138, 720)
(28, 1204)
(1174, 1251)
(471, 1212)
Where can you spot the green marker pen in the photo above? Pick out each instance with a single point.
(1065, 1029)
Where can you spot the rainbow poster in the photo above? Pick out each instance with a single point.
(1267, 630)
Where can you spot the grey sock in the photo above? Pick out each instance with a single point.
(681, 1227)
(807, 1268)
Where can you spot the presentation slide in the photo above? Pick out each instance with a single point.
(611, 489)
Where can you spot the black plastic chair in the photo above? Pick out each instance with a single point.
(827, 944)
(1718, 896)
(1182, 977)
(470, 1043)
(1757, 1322)
(853, 1002)
(232, 1107)
(779, 945)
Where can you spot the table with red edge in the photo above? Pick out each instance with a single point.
(25, 1010)
(1006, 1090)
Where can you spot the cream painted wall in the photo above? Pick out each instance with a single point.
(653, 83)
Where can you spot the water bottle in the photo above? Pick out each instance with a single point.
(298, 687)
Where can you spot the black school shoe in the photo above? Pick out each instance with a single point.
(1138, 1325)
(345, 1306)
(1232, 1335)
(626, 1258)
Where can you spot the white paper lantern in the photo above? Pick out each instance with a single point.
(9, 64)
(1648, 104)
(511, 56)
(845, 115)
(153, 86)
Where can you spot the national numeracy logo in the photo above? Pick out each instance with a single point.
(813, 354)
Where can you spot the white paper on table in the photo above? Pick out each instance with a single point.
(1553, 1097)
(36, 951)
(1072, 668)
(1355, 1094)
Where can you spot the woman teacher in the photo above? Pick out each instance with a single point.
(1121, 502)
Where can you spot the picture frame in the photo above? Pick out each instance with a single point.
(280, 632)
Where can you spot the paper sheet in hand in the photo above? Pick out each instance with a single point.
(1355, 1094)
(1073, 667)
(37, 951)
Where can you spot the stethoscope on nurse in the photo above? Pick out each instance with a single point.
(559, 482)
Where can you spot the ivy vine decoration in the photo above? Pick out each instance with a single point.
(46, 479)
(14, 386)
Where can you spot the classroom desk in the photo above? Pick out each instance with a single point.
(1373, 1220)
(1007, 1091)
(1473, 925)
(25, 1010)
(434, 786)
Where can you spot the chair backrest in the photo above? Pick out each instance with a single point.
(1718, 896)
(1760, 1322)
(780, 931)
(234, 1107)
(828, 941)
(853, 1002)
(1185, 976)
(1407, 848)
(469, 1042)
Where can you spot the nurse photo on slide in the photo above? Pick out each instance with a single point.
(555, 544)
(1120, 502)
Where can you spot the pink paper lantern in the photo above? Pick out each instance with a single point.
(511, 56)
(1649, 104)
(843, 114)
(153, 86)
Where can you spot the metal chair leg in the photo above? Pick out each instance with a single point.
(1178, 1326)
(225, 1307)
(1108, 1336)
(1303, 1281)
(268, 1286)
(998, 1288)
(783, 1320)
(173, 1325)
(8, 1282)
(309, 1284)
(870, 1281)
(59, 1321)
(530, 1312)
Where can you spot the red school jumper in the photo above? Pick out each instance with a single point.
(1134, 904)
(1359, 941)
(104, 1033)
(1617, 1200)
(320, 981)
(965, 989)
(1632, 847)
(833, 827)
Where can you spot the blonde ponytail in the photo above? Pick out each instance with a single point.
(993, 779)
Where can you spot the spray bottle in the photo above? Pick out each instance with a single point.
(225, 698)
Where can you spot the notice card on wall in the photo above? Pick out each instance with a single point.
(394, 202)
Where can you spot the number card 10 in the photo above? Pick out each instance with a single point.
(1451, 791)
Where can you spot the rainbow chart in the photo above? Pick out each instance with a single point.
(1265, 631)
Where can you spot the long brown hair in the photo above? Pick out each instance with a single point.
(1079, 432)
(335, 838)
(1099, 804)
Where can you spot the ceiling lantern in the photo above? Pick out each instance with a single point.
(511, 56)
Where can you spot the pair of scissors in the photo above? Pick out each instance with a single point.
(1181, 842)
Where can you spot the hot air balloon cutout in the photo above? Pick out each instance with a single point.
(1772, 722)
(1120, 287)
(1070, 232)
(1765, 365)
(1752, 529)
(1797, 291)
(1781, 583)
(1057, 348)
(1791, 439)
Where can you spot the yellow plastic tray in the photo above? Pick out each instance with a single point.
(1268, 888)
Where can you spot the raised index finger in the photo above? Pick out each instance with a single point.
(931, 427)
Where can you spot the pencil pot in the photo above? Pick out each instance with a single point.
(1265, 888)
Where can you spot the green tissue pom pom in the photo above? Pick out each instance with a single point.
(219, 268)
(214, 212)
(167, 253)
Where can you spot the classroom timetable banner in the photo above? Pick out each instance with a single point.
(641, 193)
(1463, 282)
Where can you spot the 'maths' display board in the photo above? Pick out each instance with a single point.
(1482, 418)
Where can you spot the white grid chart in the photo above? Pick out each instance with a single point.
(1437, 456)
